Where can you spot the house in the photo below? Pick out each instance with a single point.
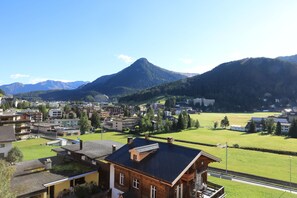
(67, 122)
(6, 138)
(55, 113)
(92, 153)
(120, 124)
(20, 124)
(238, 128)
(285, 127)
(146, 168)
(51, 177)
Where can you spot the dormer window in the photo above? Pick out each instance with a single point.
(139, 153)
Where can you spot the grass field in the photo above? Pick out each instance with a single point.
(35, 148)
(257, 163)
(240, 190)
(207, 119)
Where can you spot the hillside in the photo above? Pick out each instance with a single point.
(237, 86)
(16, 88)
(140, 75)
(291, 59)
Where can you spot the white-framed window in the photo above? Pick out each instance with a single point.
(153, 193)
(2, 145)
(122, 177)
(179, 191)
(135, 183)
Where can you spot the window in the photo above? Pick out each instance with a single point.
(179, 191)
(2, 145)
(122, 178)
(79, 181)
(153, 192)
(134, 157)
(136, 183)
(83, 157)
(2, 155)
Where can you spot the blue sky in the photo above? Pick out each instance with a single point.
(83, 40)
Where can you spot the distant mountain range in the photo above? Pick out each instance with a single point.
(241, 85)
(291, 59)
(17, 88)
(140, 75)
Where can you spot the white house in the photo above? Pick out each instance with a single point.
(285, 128)
(55, 113)
(6, 138)
(237, 128)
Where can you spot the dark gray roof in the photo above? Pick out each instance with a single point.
(7, 134)
(26, 181)
(166, 164)
(94, 149)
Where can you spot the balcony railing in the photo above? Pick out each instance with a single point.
(210, 191)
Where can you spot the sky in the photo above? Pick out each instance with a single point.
(71, 40)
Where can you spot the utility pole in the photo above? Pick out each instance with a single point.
(290, 173)
(226, 158)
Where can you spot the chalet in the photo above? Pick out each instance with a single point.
(6, 138)
(146, 168)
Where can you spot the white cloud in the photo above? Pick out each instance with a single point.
(16, 76)
(186, 61)
(125, 58)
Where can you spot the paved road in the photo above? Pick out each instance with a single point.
(254, 180)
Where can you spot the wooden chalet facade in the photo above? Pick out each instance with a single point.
(149, 169)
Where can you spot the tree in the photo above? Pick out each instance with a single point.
(85, 124)
(263, 123)
(293, 129)
(197, 124)
(215, 125)
(6, 173)
(180, 122)
(14, 155)
(270, 125)
(252, 127)
(43, 110)
(189, 122)
(95, 120)
(278, 130)
(225, 122)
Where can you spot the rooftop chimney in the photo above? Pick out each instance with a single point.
(114, 148)
(48, 164)
(80, 144)
(129, 140)
(170, 140)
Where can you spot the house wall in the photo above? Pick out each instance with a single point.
(145, 183)
(61, 186)
(92, 178)
(6, 148)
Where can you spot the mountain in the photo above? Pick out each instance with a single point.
(236, 86)
(291, 59)
(16, 88)
(140, 75)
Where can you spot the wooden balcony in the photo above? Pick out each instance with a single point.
(188, 176)
(211, 191)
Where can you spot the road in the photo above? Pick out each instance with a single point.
(254, 180)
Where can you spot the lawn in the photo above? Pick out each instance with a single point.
(237, 189)
(211, 136)
(257, 163)
(207, 119)
(35, 148)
